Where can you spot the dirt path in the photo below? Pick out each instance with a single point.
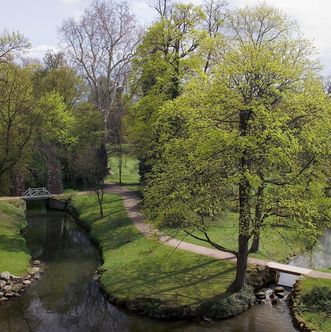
(131, 203)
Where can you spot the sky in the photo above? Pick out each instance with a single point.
(39, 20)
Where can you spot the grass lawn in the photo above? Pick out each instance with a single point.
(14, 256)
(224, 230)
(318, 321)
(129, 170)
(137, 267)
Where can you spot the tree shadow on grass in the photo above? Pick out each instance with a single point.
(113, 238)
(179, 281)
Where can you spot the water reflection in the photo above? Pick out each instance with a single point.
(67, 299)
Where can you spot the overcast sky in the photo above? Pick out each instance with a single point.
(40, 19)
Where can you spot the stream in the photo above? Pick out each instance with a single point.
(66, 298)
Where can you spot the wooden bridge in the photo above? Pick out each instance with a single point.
(36, 193)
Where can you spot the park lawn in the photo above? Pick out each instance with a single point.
(318, 321)
(138, 267)
(14, 256)
(129, 170)
(224, 230)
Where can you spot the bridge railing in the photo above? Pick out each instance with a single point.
(36, 193)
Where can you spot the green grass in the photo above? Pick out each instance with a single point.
(129, 170)
(137, 267)
(318, 321)
(14, 256)
(277, 243)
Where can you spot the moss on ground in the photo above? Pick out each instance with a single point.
(14, 256)
(150, 277)
(309, 310)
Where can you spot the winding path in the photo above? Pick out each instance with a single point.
(131, 203)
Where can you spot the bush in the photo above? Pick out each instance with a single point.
(232, 305)
(317, 300)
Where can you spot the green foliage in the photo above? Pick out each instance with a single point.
(164, 60)
(82, 156)
(17, 114)
(269, 80)
(317, 300)
(230, 306)
(314, 303)
(56, 123)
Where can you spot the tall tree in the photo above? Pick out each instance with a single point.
(58, 89)
(12, 45)
(17, 116)
(253, 132)
(100, 45)
(164, 60)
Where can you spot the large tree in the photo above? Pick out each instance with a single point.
(164, 61)
(254, 132)
(100, 45)
(12, 45)
(58, 89)
(17, 114)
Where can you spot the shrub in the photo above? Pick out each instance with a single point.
(317, 300)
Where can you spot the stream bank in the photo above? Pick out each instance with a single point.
(67, 297)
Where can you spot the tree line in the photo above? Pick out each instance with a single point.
(224, 109)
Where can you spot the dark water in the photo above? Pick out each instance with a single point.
(67, 299)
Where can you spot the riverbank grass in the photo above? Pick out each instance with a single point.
(14, 256)
(314, 303)
(139, 268)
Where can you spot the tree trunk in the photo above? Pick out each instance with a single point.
(54, 176)
(255, 247)
(258, 220)
(242, 259)
(175, 78)
(18, 182)
(120, 165)
(244, 208)
(243, 238)
(100, 195)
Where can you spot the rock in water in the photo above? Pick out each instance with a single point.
(34, 270)
(17, 287)
(279, 289)
(261, 295)
(281, 295)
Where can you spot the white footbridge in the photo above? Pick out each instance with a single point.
(36, 193)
